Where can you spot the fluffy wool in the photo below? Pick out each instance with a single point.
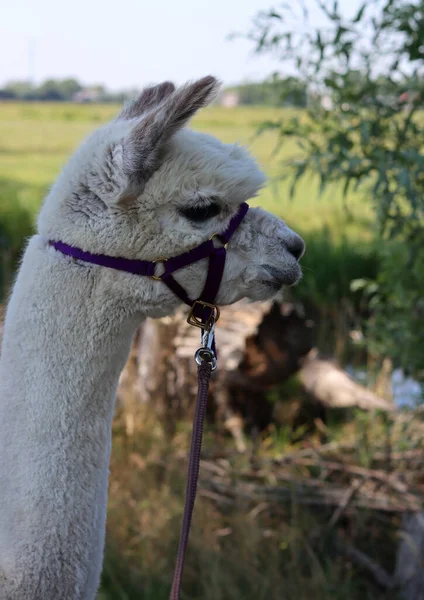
(69, 325)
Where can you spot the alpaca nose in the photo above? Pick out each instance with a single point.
(296, 246)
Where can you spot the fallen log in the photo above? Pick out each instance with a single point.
(328, 384)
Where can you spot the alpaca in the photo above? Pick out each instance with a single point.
(143, 187)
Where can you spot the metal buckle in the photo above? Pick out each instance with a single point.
(193, 320)
(217, 235)
(206, 353)
(158, 260)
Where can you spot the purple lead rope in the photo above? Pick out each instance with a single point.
(204, 374)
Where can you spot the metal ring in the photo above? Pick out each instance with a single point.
(218, 235)
(205, 355)
(158, 260)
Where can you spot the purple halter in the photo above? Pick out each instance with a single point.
(201, 309)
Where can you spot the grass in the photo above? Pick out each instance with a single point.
(252, 552)
(36, 140)
(234, 553)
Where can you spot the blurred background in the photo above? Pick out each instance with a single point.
(312, 479)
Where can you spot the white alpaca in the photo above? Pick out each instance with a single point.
(140, 187)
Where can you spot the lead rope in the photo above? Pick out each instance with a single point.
(206, 360)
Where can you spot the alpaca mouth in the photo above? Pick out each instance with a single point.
(277, 278)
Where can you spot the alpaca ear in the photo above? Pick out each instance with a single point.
(148, 99)
(145, 141)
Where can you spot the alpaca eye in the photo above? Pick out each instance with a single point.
(201, 213)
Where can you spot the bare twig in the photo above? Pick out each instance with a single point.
(380, 575)
(346, 501)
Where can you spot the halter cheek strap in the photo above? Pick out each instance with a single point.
(204, 307)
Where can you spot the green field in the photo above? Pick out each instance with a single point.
(36, 140)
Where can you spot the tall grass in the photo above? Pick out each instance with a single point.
(16, 225)
(235, 552)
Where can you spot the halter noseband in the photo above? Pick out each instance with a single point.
(204, 309)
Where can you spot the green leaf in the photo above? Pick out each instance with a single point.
(346, 186)
(301, 169)
(360, 13)
(358, 284)
(320, 45)
(339, 33)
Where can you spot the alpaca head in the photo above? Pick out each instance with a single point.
(143, 187)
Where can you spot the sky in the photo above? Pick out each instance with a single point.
(130, 43)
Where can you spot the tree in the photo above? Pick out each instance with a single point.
(372, 138)
(69, 87)
(6, 94)
(56, 89)
(19, 89)
(276, 91)
(50, 90)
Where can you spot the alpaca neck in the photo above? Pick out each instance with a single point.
(64, 347)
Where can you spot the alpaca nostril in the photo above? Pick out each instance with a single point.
(296, 246)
